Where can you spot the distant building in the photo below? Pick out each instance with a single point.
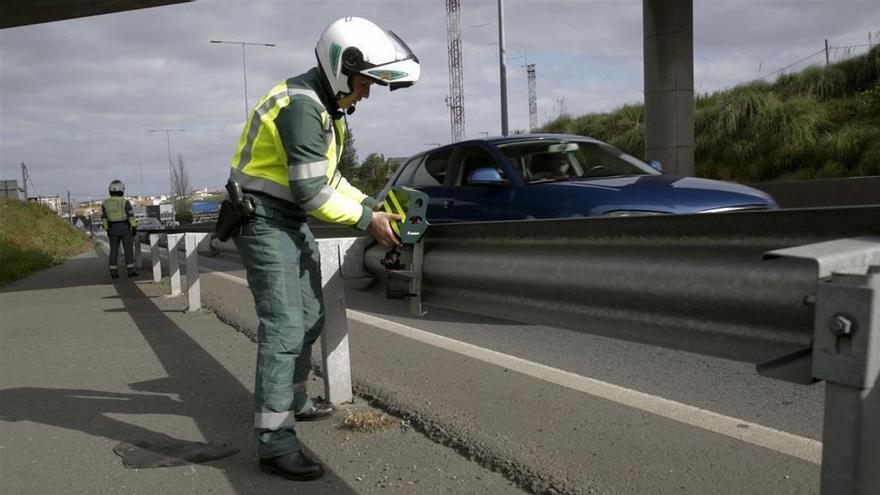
(161, 212)
(140, 212)
(200, 193)
(53, 202)
(205, 211)
(9, 189)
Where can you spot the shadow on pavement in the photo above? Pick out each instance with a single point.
(59, 277)
(201, 389)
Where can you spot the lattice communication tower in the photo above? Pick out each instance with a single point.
(533, 99)
(455, 100)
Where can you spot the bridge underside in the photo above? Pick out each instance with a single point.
(14, 13)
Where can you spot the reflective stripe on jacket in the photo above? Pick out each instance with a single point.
(290, 148)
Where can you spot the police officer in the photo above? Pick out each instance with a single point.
(118, 219)
(286, 164)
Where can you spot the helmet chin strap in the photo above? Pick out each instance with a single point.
(340, 113)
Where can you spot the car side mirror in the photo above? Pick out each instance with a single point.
(486, 177)
(656, 165)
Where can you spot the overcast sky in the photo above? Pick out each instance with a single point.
(78, 97)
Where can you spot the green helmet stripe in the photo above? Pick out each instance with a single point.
(335, 50)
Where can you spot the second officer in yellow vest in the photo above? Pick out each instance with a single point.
(118, 219)
(286, 164)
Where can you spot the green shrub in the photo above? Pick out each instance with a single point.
(869, 163)
(33, 237)
(820, 122)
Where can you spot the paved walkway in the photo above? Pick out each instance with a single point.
(89, 365)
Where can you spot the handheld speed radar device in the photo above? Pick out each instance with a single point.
(412, 206)
(404, 269)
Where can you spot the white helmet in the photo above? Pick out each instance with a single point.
(353, 45)
(117, 186)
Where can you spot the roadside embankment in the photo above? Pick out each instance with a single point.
(33, 237)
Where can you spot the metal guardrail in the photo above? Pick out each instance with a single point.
(796, 291)
(841, 191)
(321, 230)
(689, 282)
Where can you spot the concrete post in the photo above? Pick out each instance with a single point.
(138, 256)
(193, 288)
(173, 265)
(154, 257)
(669, 84)
(335, 358)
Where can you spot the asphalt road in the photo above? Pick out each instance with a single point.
(557, 409)
(105, 385)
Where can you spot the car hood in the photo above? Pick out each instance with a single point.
(661, 194)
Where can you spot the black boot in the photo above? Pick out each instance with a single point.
(320, 409)
(114, 274)
(132, 272)
(296, 466)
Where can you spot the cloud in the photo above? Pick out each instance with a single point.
(77, 97)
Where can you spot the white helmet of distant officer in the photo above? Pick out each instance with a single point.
(353, 45)
(117, 187)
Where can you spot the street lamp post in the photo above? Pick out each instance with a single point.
(170, 166)
(244, 67)
(502, 63)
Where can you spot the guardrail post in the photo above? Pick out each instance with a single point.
(138, 257)
(846, 354)
(173, 265)
(193, 290)
(335, 358)
(154, 257)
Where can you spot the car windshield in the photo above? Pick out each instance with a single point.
(553, 160)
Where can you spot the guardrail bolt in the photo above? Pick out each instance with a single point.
(841, 324)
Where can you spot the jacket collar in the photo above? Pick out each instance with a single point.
(320, 86)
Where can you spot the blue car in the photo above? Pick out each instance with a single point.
(558, 176)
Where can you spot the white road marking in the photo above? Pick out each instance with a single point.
(226, 276)
(786, 443)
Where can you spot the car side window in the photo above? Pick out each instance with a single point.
(409, 168)
(473, 159)
(431, 172)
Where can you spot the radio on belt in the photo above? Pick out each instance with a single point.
(403, 267)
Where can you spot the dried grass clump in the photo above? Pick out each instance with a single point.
(369, 421)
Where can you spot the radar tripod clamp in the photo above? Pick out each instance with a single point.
(403, 267)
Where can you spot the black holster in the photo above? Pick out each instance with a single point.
(234, 212)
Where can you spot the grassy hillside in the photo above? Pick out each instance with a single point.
(32, 237)
(819, 123)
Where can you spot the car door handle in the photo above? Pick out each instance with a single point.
(448, 204)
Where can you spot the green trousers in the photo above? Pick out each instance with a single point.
(282, 261)
(120, 232)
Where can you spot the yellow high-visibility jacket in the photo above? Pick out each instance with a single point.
(290, 148)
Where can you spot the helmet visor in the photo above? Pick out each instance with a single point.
(401, 72)
(401, 50)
